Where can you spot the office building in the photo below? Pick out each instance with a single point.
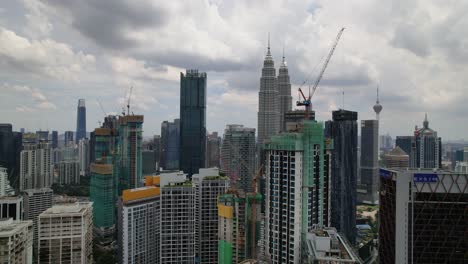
(238, 156)
(11, 207)
(10, 148)
(424, 148)
(54, 140)
(83, 156)
(461, 167)
(42, 135)
(66, 234)
(213, 147)
(129, 152)
(208, 186)
(297, 197)
(239, 220)
(284, 93)
(170, 145)
(369, 162)
(177, 223)
(385, 142)
(192, 121)
(139, 233)
(35, 202)
(5, 187)
(324, 245)
(36, 167)
(148, 162)
(80, 121)
(396, 158)
(268, 101)
(343, 131)
(422, 216)
(68, 138)
(16, 240)
(68, 172)
(104, 180)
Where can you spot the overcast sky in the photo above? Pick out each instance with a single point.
(53, 52)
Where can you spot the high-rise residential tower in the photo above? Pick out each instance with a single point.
(422, 216)
(16, 239)
(192, 121)
(209, 185)
(268, 100)
(80, 121)
(369, 162)
(284, 90)
(238, 155)
(297, 192)
(36, 166)
(344, 133)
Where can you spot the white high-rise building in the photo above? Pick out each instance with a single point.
(83, 156)
(66, 234)
(268, 100)
(68, 172)
(36, 166)
(208, 186)
(284, 89)
(5, 188)
(139, 223)
(16, 239)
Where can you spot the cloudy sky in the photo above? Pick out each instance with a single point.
(53, 52)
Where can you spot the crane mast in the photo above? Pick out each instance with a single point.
(307, 101)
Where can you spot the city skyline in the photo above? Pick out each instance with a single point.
(49, 62)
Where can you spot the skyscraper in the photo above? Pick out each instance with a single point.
(343, 131)
(213, 147)
(83, 156)
(369, 162)
(129, 161)
(268, 100)
(208, 186)
(36, 166)
(10, 148)
(170, 145)
(66, 234)
(297, 178)
(42, 135)
(192, 121)
(139, 223)
(54, 139)
(422, 216)
(68, 138)
(424, 148)
(80, 121)
(284, 91)
(238, 155)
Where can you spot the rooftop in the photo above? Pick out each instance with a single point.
(69, 208)
(9, 227)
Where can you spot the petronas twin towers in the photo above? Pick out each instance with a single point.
(274, 98)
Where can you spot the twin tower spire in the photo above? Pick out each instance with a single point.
(274, 97)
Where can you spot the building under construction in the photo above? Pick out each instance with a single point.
(239, 217)
(423, 217)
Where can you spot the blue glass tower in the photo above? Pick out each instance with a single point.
(80, 121)
(192, 121)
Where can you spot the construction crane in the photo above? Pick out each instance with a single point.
(102, 108)
(307, 100)
(128, 102)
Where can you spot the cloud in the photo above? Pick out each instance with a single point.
(39, 100)
(41, 58)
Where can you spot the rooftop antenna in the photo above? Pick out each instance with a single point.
(342, 92)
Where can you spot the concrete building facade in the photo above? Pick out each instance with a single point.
(66, 234)
(16, 239)
(36, 166)
(369, 166)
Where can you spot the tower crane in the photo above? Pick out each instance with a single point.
(307, 100)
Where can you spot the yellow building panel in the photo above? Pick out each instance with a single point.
(225, 211)
(140, 193)
(152, 180)
(103, 132)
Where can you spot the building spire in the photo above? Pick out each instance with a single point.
(268, 53)
(377, 106)
(283, 54)
(426, 122)
(377, 94)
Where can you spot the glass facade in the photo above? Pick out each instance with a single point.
(80, 121)
(192, 121)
